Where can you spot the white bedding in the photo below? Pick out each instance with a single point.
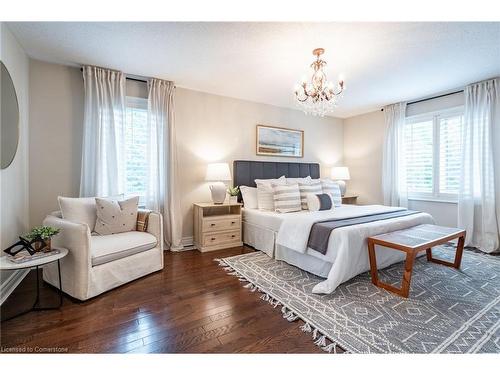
(347, 251)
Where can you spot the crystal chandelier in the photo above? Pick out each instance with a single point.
(319, 96)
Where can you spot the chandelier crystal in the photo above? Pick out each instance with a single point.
(319, 96)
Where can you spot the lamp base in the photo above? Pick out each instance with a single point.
(341, 186)
(218, 191)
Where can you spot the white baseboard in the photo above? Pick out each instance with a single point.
(187, 244)
(8, 286)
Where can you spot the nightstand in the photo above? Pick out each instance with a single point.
(217, 226)
(350, 199)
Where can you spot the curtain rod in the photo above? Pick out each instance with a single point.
(129, 78)
(434, 97)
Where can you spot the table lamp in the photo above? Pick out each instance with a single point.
(340, 175)
(218, 172)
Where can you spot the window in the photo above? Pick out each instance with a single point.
(136, 145)
(431, 146)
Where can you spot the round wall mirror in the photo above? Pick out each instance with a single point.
(9, 121)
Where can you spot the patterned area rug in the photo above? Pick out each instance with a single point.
(449, 310)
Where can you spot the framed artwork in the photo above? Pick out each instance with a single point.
(274, 141)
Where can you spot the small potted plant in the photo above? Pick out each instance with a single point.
(233, 194)
(41, 236)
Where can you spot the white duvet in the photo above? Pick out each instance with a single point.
(347, 249)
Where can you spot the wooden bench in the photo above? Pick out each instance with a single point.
(412, 241)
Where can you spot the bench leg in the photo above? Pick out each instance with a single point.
(404, 291)
(373, 262)
(458, 255)
(405, 287)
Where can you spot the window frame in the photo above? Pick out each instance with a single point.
(142, 104)
(435, 116)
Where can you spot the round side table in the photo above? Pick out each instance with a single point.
(7, 265)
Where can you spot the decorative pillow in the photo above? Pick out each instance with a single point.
(332, 188)
(313, 187)
(319, 202)
(286, 198)
(265, 192)
(249, 195)
(79, 210)
(116, 216)
(296, 180)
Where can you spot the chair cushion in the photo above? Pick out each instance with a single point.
(112, 247)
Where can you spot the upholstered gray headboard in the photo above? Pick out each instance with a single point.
(246, 171)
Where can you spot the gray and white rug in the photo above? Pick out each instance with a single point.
(449, 310)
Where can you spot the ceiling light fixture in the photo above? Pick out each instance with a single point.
(319, 96)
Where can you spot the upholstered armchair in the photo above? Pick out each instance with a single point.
(98, 263)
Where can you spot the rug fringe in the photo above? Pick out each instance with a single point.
(319, 339)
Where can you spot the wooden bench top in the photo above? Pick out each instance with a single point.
(419, 237)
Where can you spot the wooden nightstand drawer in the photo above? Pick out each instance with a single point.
(211, 239)
(220, 224)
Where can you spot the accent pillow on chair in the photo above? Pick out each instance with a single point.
(116, 216)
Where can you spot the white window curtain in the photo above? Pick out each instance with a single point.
(479, 195)
(394, 185)
(162, 189)
(103, 132)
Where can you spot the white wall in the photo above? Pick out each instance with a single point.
(56, 129)
(363, 147)
(209, 128)
(215, 128)
(14, 179)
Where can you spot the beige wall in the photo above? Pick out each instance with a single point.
(213, 128)
(14, 179)
(56, 128)
(363, 147)
(363, 142)
(209, 128)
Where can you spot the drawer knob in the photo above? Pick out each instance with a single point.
(213, 238)
(233, 222)
(212, 225)
(233, 236)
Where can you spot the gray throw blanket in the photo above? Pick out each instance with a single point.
(320, 232)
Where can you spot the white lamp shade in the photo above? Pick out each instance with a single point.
(218, 172)
(340, 173)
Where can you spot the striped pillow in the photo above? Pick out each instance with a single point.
(333, 189)
(286, 198)
(308, 188)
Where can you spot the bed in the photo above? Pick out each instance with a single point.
(284, 236)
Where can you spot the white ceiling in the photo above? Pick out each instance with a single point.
(382, 63)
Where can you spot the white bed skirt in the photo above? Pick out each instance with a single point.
(260, 238)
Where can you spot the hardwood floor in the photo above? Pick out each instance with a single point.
(191, 306)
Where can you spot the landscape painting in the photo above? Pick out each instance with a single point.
(273, 141)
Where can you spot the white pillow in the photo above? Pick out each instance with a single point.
(309, 188)
(249, 195)
(320, 202)
(115, 216)
(79, 210)
(265, 192)
(286, 198)
(333, 189)
(296, 180)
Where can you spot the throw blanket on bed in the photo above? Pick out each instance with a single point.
(320, 232)
(295, 228)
